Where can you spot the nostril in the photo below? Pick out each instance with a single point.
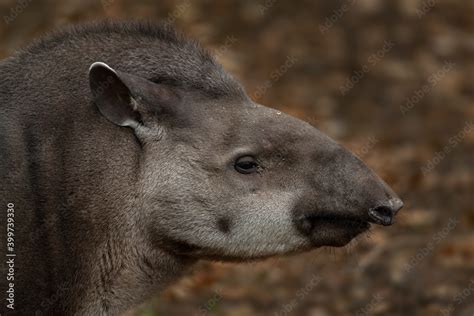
(383, 211)
(382, 215)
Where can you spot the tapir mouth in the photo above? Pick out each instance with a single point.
(333, 229)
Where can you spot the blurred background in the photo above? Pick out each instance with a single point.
(393, 80)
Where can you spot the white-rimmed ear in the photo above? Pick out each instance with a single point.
(112, 96)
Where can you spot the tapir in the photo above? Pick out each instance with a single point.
(128, 153)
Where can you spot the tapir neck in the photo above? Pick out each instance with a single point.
(126, 275)
(76, 213)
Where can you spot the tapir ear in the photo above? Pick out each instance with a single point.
(112, 96)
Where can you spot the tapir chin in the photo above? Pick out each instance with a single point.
(127, 153)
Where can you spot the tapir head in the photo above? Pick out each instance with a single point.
(223, 177)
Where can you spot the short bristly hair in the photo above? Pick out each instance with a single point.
(180, 61)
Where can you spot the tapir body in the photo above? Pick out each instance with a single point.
(128, 153)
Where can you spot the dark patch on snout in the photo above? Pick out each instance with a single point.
(324, 227)
(223, 224)
(329, 228)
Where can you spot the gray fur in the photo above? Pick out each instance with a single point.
(108, 214)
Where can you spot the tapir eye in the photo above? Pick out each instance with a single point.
(246, 165)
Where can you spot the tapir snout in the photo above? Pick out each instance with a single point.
(345, 197)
